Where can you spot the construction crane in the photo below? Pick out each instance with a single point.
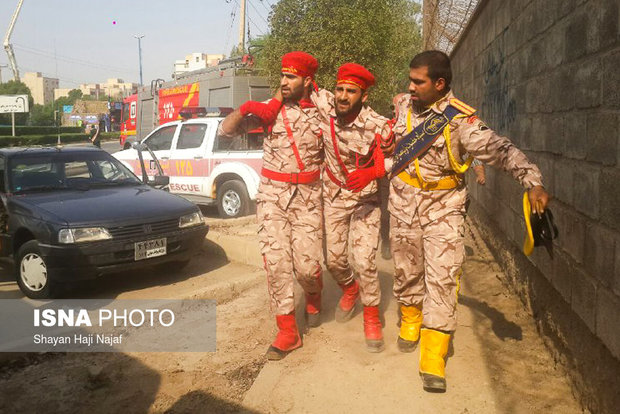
(8, 47)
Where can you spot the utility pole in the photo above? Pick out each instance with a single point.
(242, 28)
(2, 66)
(139, 37)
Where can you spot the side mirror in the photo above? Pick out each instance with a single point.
(138, 146)
(159, 181)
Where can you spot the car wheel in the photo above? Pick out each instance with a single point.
(233, 199)
(126, 146)
(32, 276)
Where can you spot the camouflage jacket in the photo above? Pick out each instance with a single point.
(354, 143)
(469, 136)
(278, 154)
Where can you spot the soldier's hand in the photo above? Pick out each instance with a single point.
(267, 113)
(539, 198)
(360, 178)
(480, 174)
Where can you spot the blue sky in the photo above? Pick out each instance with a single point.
(89, 48)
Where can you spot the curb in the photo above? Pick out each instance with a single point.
(234, 248)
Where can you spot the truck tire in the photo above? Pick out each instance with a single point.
(233, 199)
(32, 276)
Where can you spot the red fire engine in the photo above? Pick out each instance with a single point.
(178, 102)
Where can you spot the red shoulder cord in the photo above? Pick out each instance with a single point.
(289, 133)
(335, 144)
(376, 145)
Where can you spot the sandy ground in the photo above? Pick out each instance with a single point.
(498, 363)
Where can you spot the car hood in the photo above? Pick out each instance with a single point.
(106, 205)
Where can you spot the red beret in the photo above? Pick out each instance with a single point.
(356, 75)
(299, 64)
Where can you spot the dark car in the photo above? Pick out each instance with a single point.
(77, 213)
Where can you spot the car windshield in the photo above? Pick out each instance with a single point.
(67, 170)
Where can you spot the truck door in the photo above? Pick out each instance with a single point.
(160, 142)
(189, 169)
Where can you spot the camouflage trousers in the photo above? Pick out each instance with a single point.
(427, 266)
(291, 245)
(353, 232)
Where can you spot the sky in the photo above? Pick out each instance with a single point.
(78, 42)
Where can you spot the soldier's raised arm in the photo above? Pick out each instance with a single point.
(251, 115)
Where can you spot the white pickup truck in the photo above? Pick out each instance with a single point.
(203, 167)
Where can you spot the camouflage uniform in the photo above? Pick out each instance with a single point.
(290, 215)
(350, 217)
(426, 227)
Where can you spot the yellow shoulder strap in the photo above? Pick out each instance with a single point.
(458, 168)
(462, 106)
(528, 243)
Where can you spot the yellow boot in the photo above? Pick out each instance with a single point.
(433, 351)
(410, 324)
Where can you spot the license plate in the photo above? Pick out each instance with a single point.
(150, 248)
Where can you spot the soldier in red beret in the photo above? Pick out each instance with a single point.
(354, 138)
(289, 206)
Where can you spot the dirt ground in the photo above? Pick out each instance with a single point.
(497, 364)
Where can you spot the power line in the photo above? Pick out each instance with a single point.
(262, 2)
(251, 21)
(68, 59)
(49, 75)
(256, 10)
(232, 22)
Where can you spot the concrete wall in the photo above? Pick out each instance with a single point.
(546, 73)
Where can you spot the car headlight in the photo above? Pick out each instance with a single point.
(81, 235)
(189, 220)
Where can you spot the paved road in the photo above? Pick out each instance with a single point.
(110, 146)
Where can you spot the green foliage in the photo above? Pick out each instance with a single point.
(74, 94)
(382, 35)
(42, 115)
(28, 140)
(15, 88)
(52, 138)
(39, 130)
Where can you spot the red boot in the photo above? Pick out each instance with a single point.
(372, 329)
(313, 306)
(313, 310)
(287, 339)
(346, 306)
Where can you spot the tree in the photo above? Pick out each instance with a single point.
(15, 88)
(382, 35)
(74, 94)
(42, 115)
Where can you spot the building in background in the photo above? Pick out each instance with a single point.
(117, 89)
(196, 61)
(114, 88)
(41, 88)
(61, 92)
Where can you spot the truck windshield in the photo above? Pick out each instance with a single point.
(71, 170)
(126, 111)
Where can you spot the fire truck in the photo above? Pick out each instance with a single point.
(229, 84)
(128, 120)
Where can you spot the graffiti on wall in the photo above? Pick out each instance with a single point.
(498, 106)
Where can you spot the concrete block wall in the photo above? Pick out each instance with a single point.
(546, 73)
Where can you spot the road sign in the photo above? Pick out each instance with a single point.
(13, 103)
